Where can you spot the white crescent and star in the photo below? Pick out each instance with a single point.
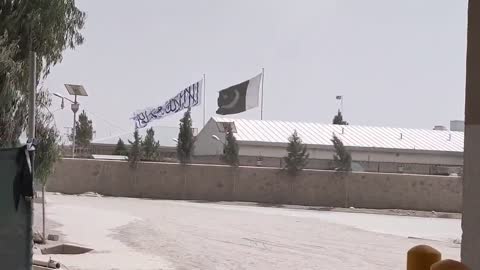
(234, 102)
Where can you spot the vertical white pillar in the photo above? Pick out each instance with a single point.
(471, 178)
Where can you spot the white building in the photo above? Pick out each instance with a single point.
(368, 145)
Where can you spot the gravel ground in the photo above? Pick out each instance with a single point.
(145, 234)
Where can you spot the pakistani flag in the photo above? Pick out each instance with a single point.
(240, 97)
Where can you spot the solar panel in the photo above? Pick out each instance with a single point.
(74, 89)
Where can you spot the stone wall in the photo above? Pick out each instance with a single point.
(255, 184)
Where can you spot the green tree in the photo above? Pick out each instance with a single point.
(342, 158)
(120, 148)
(185, 139)
(47, 151)
(83, 130)
(13, 105)
(47, 27)
(135, 154)
(297, 156)
(338, 119)
(230, 148)
(150, 147)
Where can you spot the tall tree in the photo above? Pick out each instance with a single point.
(47, 150)
(150, 147)
(13, 104)
(230, 148)
(47, 27)
(83, 130)
(297, 156)
(338, 119)
(185, 139)
(135, 154)
(342, 158)
(120, 148)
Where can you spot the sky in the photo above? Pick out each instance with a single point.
(398, 63)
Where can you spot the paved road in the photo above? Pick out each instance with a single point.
(152, 234)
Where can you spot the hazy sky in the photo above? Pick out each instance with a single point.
(398, 63)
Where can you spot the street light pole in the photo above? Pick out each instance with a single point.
(31, 139)
(75, 106)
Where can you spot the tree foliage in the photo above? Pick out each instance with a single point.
(135, 154)
(342, 158)
(338, 119)
(120, 148)
(83, 130)
(297, 156)
(230, 148)
(48, 150)
(47, 27)
(150, 147)
(13, 103)
(185, 139)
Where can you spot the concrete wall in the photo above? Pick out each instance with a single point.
(265, 185)
(471, 187)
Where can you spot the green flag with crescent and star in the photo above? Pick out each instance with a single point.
(240, 97)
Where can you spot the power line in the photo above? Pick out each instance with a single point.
(106, 121)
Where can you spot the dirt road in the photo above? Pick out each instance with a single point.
(152, 234)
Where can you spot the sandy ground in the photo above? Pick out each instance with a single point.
(142, 234)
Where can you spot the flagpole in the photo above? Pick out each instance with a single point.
(204, 100)
(261, 106)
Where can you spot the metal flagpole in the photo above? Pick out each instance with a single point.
(204, 100)
(341, 104)
(261, 106)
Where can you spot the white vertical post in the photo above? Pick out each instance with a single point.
(471, 175)
(74, 109)
(204, 100)
(261, 106)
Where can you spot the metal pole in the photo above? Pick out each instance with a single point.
(31, 104)
(31, 136)
(43, 214)
(341, 105)
(261, 106)
(74, 127)
(204, 100)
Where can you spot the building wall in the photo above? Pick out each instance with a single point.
(208, 150)
(374, 156)
(205, 145)
(263, 185)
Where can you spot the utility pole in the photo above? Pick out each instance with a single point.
(261, 106)
(75, 106)
(31, 139)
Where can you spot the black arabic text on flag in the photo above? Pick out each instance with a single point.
(187, 98)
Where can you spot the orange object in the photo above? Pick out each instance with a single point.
(449, 265)
(422, 257)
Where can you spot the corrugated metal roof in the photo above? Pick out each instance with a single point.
(351, 135)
